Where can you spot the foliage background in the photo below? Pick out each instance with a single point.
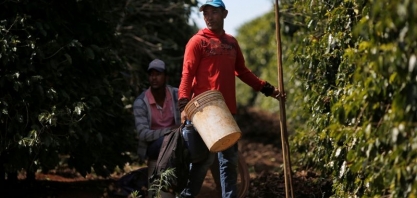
(361, 84)
(350, 76)
(69, 71)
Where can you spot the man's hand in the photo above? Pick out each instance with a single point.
(184, 116)
(278, 95)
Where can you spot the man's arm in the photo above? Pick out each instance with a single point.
(140, 111)
(192, 58)
(248, 77)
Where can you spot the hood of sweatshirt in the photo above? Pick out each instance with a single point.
(208, 33)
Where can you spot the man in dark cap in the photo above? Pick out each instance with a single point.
(156, 113)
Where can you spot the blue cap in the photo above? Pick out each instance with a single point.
(214, 3)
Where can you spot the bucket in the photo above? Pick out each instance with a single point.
(213, 120)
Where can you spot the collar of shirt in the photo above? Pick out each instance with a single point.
(161, 117)
(151, 99)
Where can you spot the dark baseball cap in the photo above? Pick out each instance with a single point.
(157, 65)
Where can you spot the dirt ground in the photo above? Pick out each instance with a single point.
(260, 145)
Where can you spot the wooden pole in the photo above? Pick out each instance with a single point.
(283, 120)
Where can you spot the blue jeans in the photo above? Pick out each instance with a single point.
(228, 160)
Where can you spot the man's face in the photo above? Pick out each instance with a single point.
(157, 79)
(214, 17)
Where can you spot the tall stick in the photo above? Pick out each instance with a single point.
(283, 119)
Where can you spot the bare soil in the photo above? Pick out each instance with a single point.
(260, 145)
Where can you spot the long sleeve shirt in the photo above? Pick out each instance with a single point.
(211, 62)
(143, 120)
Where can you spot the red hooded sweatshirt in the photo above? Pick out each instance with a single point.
(211, 62)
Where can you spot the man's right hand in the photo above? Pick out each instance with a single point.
(184, 116)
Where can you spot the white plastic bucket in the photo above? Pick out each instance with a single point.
(213, 120)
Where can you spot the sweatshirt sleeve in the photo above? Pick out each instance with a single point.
(246, 75)
(192, 57)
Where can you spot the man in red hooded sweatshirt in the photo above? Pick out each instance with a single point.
(212, 59)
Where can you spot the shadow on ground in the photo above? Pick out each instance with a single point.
(260, 145)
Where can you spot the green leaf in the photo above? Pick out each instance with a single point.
(68, 57)
(89, 53)
(100, 137)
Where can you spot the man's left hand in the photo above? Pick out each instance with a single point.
(278, 95)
